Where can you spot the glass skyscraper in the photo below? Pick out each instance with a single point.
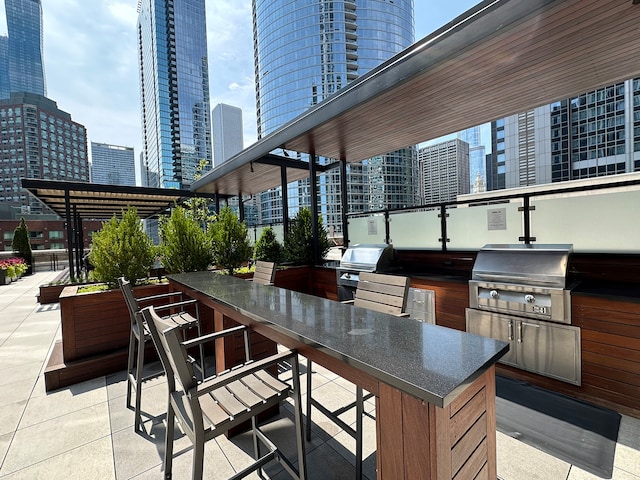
(112, 164)
(174, 88)
(307, 50)
(21, 66)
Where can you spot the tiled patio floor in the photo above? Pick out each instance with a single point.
(85, 431)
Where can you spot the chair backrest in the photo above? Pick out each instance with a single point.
(382, 293)
(173, 355)
(265, 272)
(129, 298)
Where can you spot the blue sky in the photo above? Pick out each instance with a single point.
(91, 60)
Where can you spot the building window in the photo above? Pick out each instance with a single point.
(56, 234)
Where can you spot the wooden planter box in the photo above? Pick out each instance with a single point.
(95, 335)
(51, 293)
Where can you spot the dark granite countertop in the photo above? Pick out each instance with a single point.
(427, 361)
(621, 292)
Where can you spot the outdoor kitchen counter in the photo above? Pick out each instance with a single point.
(421, 374)
(622, 292)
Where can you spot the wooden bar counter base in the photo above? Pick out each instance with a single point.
(434, 386)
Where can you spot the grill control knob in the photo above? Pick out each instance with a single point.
(529, 298)
(494, 294)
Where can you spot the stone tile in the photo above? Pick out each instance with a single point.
(5, 441)
(628, 448)
(345, 445)
(39, 442)
(63, 401)
(17, 391)
(13, 374)
(618, 474)
(518, 461)
(154, 404)
(93, 460)
(10, 416)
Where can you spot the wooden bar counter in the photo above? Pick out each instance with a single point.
(434, 386)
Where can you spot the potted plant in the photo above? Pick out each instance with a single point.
(21, 245)
(230, 241)
(122, 248)
(268, 248)
(298, 241)
(186, 246)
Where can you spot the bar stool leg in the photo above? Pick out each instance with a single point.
(132, 343)
(359, 415)
(309, 387)
(139, 378)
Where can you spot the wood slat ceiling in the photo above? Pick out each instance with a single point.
(500, 58)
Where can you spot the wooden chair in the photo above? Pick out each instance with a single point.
(382, 293)
(212, 407)
(265, 272)
(139, 336)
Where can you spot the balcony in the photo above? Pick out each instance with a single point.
(85, 431)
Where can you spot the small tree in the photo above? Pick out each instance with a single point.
(267, 247)
(21, 245)
(230, 239)
(185, 246)
(122, 248)
(298, 242)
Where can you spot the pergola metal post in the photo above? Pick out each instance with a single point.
(345, 202)
(67, 206)
(77, 227)
(314, 208)
(285, 200)
(240, 208)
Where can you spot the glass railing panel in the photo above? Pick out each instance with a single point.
(415, 229)
(593, 222)
(369, 229)
(256, 232)
(473, 227)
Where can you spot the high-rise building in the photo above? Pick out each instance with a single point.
(38, 140)
(477, 160)
(112, 164)
(593, 134)
(174, 86)
(305, 51)
(21, 65)
(227, 132)
(444, 171)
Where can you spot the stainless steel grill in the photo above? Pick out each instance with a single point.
(519, 294)
(527, 280)
(375, 258)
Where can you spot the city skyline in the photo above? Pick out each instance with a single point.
(90, 55)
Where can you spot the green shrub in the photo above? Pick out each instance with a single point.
(185, 246)
(122, 248)
(230, 239)
(268, 248)
(20, 243)
(298, 241)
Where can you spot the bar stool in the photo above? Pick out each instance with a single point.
(381, 293)
(140, 335)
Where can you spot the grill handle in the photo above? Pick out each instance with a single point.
(520, 328)
(510, 330)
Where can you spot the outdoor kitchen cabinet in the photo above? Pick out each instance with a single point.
(536, 346)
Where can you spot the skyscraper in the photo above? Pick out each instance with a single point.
(477, 162)
(174, 86)
(444, 171)
(227, 132)
(112, 164)
(593, 134)
(38, 140)
(21, 66)
(305, 51)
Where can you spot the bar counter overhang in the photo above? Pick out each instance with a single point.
(422, 375)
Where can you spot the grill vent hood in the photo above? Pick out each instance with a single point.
(533, 264)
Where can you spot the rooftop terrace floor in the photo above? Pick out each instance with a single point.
(86, 432)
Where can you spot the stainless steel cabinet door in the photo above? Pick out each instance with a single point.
(549, 349)
(500, 327)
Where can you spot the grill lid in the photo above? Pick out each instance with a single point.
(537, 264)
(367, 257)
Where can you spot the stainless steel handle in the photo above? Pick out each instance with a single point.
(510, 330)
(530, 324)
(519, 332)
